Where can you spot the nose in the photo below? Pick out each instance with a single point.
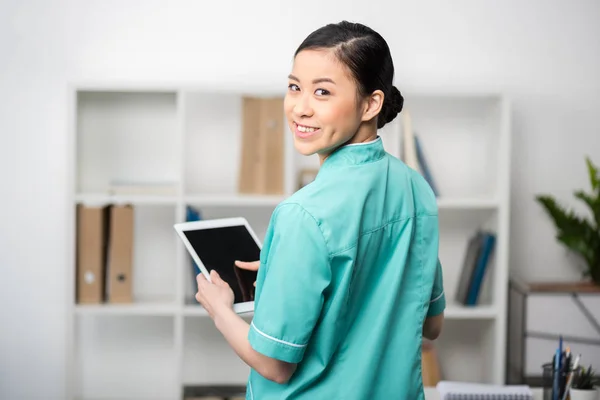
(302, 106)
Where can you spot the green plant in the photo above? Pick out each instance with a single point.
(585, 379)
(580, 234)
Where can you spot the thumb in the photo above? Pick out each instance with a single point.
(250, 266)
(216, 278)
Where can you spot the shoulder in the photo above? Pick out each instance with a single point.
(306, 200)
(297, 230)
(424, 198)
(300, 211)
(292, 210)
(293, 215)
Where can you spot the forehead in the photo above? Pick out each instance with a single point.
(315, 64)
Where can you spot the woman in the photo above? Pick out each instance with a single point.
(349, 280)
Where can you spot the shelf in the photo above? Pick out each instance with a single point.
(219, 200)
(457, 311)
(199, 311)
(101, 199)
(234, 200)
(195, 310)
(467, 203)
(187, 140)
(149, 308)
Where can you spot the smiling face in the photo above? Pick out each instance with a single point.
(322, 104)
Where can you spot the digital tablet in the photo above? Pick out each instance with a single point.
(216, 244)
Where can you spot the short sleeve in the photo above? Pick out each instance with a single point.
(437, 303)
(290, 295)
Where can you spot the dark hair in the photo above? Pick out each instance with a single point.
(367, 55)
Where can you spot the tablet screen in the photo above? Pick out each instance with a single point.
(218, 248)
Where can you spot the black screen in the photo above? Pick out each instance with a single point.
(218, 248)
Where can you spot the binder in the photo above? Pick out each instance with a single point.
(92, 236)
(262, 154)
(120, 255)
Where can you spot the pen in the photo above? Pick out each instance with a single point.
(570, 381)
(566, 369)
(560, 352)
(555, 393)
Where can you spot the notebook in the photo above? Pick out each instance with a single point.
(478, 391)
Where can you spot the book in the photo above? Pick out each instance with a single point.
(469, 262)
(409, 154)
(193, 214)
(422, 160)
(412, 153)
(454, 390)
(489, 241)
(476, 260)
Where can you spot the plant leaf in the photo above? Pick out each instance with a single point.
(575, 232)
(578, 245)
(593, 174)
(592, 202)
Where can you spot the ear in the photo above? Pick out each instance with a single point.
(372, 105)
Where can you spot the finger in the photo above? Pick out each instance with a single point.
(217, 280)
(250, 266)
(201, 279)
(199, 298)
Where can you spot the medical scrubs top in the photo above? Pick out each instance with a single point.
(348, 273)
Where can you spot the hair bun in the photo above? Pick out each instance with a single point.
(392, 105)
(396, 100)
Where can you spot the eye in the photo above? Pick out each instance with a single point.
(293, 87)
(322, 92)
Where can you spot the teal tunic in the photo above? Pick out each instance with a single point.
(348, 273)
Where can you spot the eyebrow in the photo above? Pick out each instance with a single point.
(318, 80)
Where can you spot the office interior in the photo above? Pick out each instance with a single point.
(142, 105)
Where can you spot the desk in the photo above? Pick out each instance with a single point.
(534, 332)
(432, 394)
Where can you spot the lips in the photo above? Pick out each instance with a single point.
(305, 131)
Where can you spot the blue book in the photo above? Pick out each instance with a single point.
(424, 166)
(489, 241)
(191, 214)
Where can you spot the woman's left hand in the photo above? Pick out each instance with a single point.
(214, 296)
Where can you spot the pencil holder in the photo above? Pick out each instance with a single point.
(550, 381)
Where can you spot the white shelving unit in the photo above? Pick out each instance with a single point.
(191, 135)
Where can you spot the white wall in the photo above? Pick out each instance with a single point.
(544, 54)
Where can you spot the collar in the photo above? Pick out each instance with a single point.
(355, 154)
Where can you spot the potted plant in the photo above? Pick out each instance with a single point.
(580, 234)
(584, 385)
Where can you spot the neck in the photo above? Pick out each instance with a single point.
(365, 133)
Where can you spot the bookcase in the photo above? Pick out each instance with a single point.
(186, 140)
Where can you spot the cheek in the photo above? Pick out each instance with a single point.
(341, 116)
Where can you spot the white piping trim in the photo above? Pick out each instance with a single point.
(364, 143)
(251, 393)
(437, 298)
(275, 339)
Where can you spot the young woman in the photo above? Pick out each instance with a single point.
(349, 280)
